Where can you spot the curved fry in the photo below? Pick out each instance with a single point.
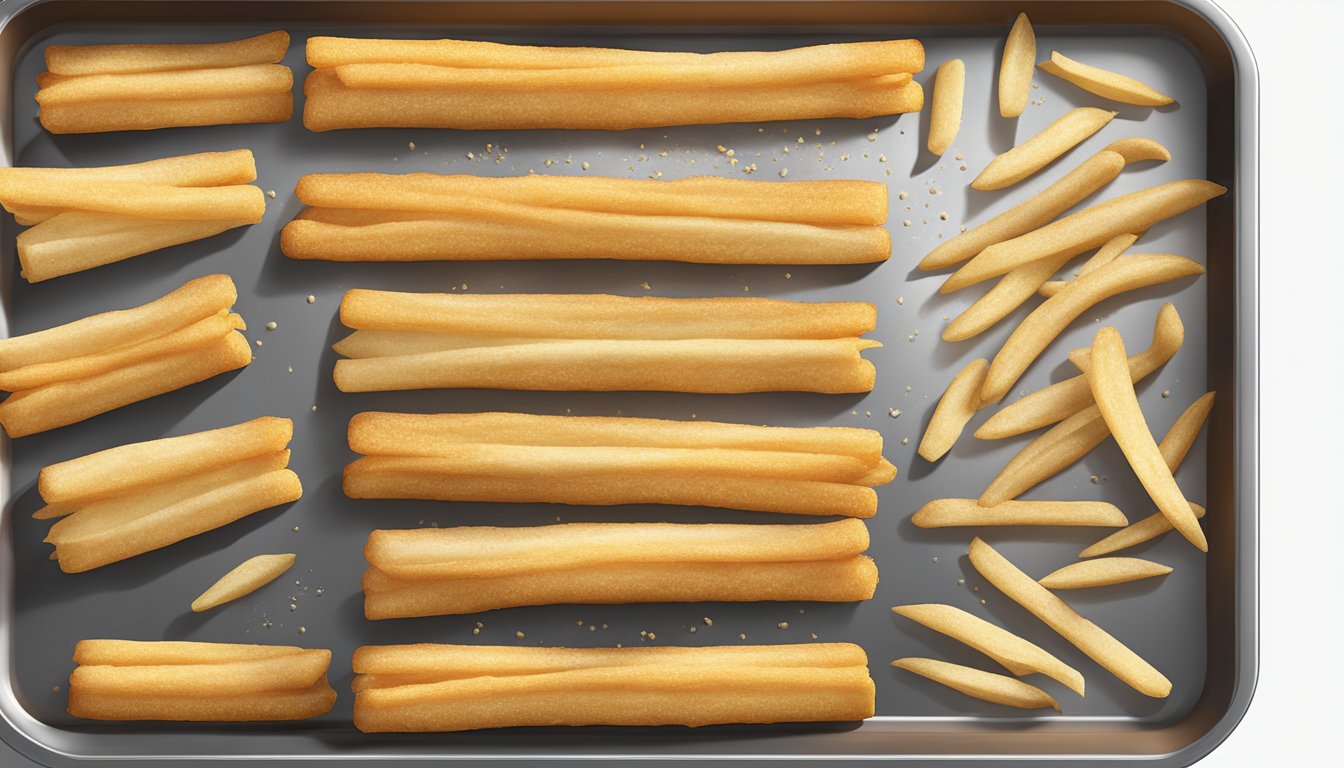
(1042, 149)
(956, 407)
(1104, 83)
(986, 686)
(1103, 573)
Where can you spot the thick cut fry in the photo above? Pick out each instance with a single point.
(1012, 652)
(315, 700)
(1065, 398)
(955, 408)
(133, 198)
(1104, 255)
(169, 86)
(1104, 83)
(1043, 325)
(255, 676)
(949, 86)
(206, 169)
(1089, 228)
(1015, 70)
(253, 574)
(947, 513)
(1092, 640)
(106, 116)
(1042, 149)
(107, 59)
(986, 686)
(75, 241)
(482, 552)
(1037, 211)
(1103, 573)
(1114, 393)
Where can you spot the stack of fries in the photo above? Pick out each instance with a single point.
(475, 85)
(83, 218)
(419, 688)
(74, 371)
(602, 343)
(198, 682)
(433, 572)
(100, 88)
(423, 216)
(132, 499)
(513, 457)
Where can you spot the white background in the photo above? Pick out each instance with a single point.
(1297, 717)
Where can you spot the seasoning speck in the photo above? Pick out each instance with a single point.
(519, 634)
(741, 635)
(645, 285)
(271, 326)
(584, 165)
(311, 298)
(1166, 393)
(783, 625)
(270, 193)
(258, 342)
(302, 630)
(900, 300)
(296, 530)
(708, 622)
(905, 441)
(894, 412)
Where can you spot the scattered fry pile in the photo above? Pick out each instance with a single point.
(198, 682)
(601, 343)
(81, 218)
(74, 371)
(425, 216)
(418, 688)
(468, 85)
(593, 460)
(100, 88)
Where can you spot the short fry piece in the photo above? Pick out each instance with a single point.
(1042, 149)
(949, 86)
(986, 686)
(1138, 149)
(956, 407)
(946, 513)
(1092, 640)
(1104, 83)
(1015, 70)
(253, 574)
(1114, 393)
(75, 241)
(1103, 572)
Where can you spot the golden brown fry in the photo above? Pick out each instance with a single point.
(1114, 393)
(105, 116)
(945, 117)
(1044, 325)
(107, 59)
(315, 700)
(1014, 653)
(1042, 149)
(1056, 449)
(1103, 573)
(75, 241)
(1092, 640)
(254, 676)
(253, 574)
(123, 653)
(169, 86)
(955, 408)
(986, 686)
(1015, 70)
(133, 198)
(1106, 84)
(204, 169)
(1065, 398)
(946, 513)
(1138, 149)
(1012, 291)
(1104, 255)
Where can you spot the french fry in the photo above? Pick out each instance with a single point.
(112, 59)
(1012, 652)
(205, 169)
(949, 86)
(128, 653)
(1012, 291)
(1119, 406)
(75, 241)
(1104, 255)
(947, 513)
(1146, 529)
(132, 198)
(169, 86)
(254, 676)
(107, 116)
(1089, 228)
(1104, 83)
(955, 408)
(986, 686)
(315, 700)
(1056, 449)
(1047, 321)
(1042, 149)
(1103, 573)
(1092, 640)
(1065, 398)
(1016, 67)
(253, 574)
(1138, 149)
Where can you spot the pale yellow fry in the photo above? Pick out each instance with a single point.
(1138, 149)
(122, 115)
(123, 653)
(1048, 455)
(1174, 447)
(168, 86)
(254, 676)
(948, 513)
(134, 198)
(949, 86)
(1047, 321)
(205, 169)
(1103, 573)
(1089, 228)
(1092, 640)
(1012, 291)
(1104, 255)
(102, 59)
(315, 700)
(956, 407)
(1037, 211)
(1015, 654)
(1016, 67)
(1042, 149)
(1065, 398)
(1114, 393)
(1104, 83)
(75, 241)
(253, 574)
(116, 470)
(986, 686)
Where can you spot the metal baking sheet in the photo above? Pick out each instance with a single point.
(1196, 625)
